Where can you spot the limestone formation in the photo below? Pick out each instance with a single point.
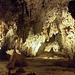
(40, 22)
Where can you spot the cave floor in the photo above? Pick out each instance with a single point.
(42, 66)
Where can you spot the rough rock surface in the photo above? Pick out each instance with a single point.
(47, 17)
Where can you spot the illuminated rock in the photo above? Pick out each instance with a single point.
(3, 30)
(33, 43)
(68, 32)
(53, 46)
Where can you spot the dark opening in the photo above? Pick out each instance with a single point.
(71, 7)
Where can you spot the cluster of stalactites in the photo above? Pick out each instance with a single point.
(33, 43)
(68, 31)
(3, 26)
(66, 27)
(49, 27)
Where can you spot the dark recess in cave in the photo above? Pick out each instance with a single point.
(71, 7)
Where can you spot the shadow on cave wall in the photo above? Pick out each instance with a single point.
(71, 7)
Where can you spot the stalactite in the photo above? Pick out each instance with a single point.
(27, 12)
(50, 28)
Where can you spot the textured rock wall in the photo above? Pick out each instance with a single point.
(49, 17)
(41, 12)
(31, 13)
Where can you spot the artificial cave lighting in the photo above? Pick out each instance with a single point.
(51, 58)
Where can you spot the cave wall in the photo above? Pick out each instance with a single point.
(40, 17)
(38, 12)
(30, 13)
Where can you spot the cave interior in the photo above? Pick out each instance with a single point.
(37, 34)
